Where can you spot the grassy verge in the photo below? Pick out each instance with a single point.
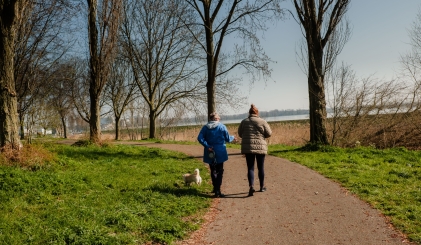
(111, 195)
(390, 180)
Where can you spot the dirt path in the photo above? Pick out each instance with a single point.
(299, 207)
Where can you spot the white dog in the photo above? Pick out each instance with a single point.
(192, 178)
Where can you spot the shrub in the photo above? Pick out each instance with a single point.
(30, 157)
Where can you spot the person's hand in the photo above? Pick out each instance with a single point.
(210, 149)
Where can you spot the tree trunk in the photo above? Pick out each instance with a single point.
(21, 118)
(117, 128)
(210, 90)
(22, 128)
(9, 134)
(95, 119)
(94, 86)
(63, 122)
(316, 95)
(210, 59)
(152, 123)
(142, 126)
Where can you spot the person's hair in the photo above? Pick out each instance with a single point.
(213, 116)
(253, 110)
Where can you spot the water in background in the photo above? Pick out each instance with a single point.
(233, 121)
(271, 119)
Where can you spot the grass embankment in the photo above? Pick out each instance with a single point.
(93, 195)
(390, 180)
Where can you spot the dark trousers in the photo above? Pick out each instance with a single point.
(260, 159)
(216, 172)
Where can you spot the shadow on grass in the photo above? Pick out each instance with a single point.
(308, 148)
(179, 191)
(273, 152)
(148, 153)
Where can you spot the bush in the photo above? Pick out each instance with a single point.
(30, 157)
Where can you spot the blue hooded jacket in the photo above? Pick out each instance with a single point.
(214, 135)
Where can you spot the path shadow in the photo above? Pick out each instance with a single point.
(237, 195)
(235, 154)
(229, 154)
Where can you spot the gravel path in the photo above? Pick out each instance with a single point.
(299, 207)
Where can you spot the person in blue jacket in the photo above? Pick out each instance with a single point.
(213, 137)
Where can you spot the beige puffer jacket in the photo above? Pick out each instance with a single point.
(253, 131)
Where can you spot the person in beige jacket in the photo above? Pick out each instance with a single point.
(253, 132)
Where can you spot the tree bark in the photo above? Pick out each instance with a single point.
(22, 128)
(63, 122)
(317, 99)
(9, 134)
(210, 88)
(152, 123)
(94, 120)
(117, 128)
(94, 90)
(210, 58)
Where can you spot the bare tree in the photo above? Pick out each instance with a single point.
(373, 112)
(339, 85)
(31, 119)
(236, 18)
(120, 91)
(80, 90)
(171, 117)
(324, 42)
(102, 28)
(412, 61)
(136, 118)
(76, 124)
(47, 116)
(378, 113)
(415, 33)
(40, 44)
(161, 53)
(60, 95)
(10, 14)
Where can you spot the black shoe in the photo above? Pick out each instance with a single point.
(263, 189)
(251, 191)
(218, 194)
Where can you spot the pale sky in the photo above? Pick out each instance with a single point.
(379, 38)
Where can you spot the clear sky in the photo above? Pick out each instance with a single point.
(379, 37)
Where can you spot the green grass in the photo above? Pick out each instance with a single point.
(111, 195)
(134, 195)
(390, 180)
